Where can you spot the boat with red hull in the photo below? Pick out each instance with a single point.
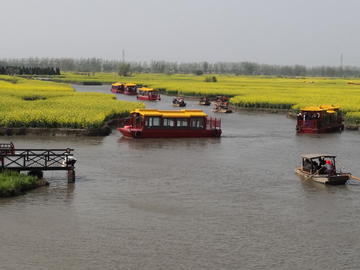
(118, 88)
(148, 94)
(130, 89)
(319, 119)
(149, 123)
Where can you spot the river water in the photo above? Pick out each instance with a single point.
(233, 202)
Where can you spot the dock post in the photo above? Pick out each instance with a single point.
(71, 176)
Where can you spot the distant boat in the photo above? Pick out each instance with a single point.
(130, 89)
(204, 101)
(148, 94)
(178, 102)
(319, 119)
(117, 88)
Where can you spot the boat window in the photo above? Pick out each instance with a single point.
(182, 122)
(197, 122)
(152, 122)
(168, 123)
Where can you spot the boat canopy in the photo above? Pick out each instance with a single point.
(148, 89)
(116, 84)
(312, 156)
(321, 108)
(130, 84)
(171, 113)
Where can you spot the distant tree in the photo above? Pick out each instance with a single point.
(198, 72)
(123, 69)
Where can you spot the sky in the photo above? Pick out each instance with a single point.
(275, 32)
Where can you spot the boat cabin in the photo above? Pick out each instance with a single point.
(150, 123)
(313, 163)
(130, 89)
(319, 119)
(148, 94)
(118, 88)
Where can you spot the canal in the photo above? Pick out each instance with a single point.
(233, 202)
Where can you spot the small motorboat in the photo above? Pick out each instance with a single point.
(321, 168)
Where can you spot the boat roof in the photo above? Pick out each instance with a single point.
(117, 84)
(317, 155)
(325, 107)
(147, 89)
(130, 84)
(171, 113)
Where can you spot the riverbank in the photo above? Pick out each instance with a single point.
(60, 132)
(13, 183)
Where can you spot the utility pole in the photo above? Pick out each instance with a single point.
(341, 61)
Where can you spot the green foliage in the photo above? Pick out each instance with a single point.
(12, 183)
(210, 79)
(123, 69)
(198, 72)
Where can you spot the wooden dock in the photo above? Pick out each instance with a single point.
(36, 160)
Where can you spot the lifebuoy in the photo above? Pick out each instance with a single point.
(314, 132)
(138, 134)
(215, 132)
(298, 129)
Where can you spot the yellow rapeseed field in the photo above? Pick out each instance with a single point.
(31, 103)
(251, 91)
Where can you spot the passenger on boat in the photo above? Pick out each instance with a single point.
(225, 106)
(329, 168)
(175, 100)
(299, 117)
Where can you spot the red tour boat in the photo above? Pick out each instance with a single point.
(148, 94)
(321, 119)
(118, 88)
(149, 123)
(130, 89)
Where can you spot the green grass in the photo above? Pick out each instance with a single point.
(13, 183)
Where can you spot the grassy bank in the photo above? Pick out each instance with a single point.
(14, 183)
(38, 104)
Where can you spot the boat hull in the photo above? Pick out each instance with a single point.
(179, 104)
(328, 129)
(338, 179)
(174, 133)
(148, 98)
(222, 111)
(204, 103)
(117, 91)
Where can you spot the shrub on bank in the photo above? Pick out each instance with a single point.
(13, 183)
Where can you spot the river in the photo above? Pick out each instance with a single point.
(233, 202)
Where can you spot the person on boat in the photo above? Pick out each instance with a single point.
(225, 106)
(175, 101)
(329, 167)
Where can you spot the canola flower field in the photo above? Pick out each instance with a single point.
(32, 103)
(259, 92)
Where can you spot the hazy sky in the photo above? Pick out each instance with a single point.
(283, 32)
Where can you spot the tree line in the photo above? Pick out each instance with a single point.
(13, 70)
(127, 68)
